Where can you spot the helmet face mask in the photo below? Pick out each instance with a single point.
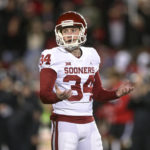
(71, 20)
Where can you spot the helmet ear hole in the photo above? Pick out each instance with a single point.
(71, 19)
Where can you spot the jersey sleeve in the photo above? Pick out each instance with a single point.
(47, 82)
(101, 94)
(48, 60)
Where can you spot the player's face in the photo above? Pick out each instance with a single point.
(70, 34)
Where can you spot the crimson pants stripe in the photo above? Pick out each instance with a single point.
(56, 136)
(54, 139)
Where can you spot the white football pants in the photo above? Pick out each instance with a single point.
(72, 136)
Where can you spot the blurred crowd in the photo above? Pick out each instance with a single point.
(120, 32)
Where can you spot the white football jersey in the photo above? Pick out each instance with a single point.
(73, 73)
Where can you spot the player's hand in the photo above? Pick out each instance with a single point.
(63, 94)
(124, 89)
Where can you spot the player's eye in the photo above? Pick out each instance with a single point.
(64, 31)
(69, 30)
(74, 30)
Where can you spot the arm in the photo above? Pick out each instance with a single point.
(99, 93)
(105, 95)
(47, 82)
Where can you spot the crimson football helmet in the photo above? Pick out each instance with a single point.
(71, 19)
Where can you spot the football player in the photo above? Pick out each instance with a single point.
(70, 81)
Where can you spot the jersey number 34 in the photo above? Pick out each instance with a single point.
(87, 86)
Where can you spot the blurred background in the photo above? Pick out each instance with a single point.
(120, 32)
